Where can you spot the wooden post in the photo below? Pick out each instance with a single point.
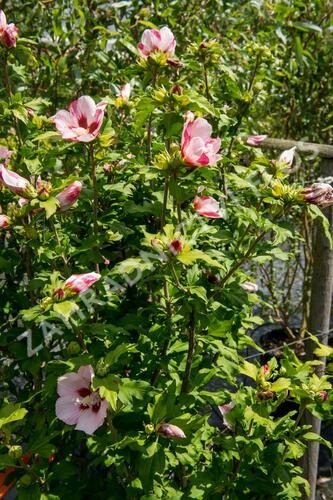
(319, 322)
(321, 150)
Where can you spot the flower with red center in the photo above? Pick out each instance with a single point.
(79, 283)
(255, 140)
(78, 404)
(8, 32)
(225, 409)
(250, 287)
(82, 122)
(15, 183)
(175, 247)
(207, 206)
(319, 193)
(198, 148)
(154, 40)
(69, 195)
(4, 221)
(287, 156)
(170, 430)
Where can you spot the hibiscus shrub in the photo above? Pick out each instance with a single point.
(133, 220)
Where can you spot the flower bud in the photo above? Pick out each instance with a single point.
(207, 206)
(15, 452)
(225, 409)
(175, 247)
(8, 32)
(265, 395)
(15, 183)
(177, 89)
(170, 430)
(59, 293)
(25, 480)
(149, 429)
(250, 287)
(320, 194)
(265, 369)
(287, 156)
(43, 189)
(102, 368)
(255, 140)
(69, 195)
(79, 283)
(5, 154)
(213, 278)
(4, 221)
(73, 348)
(107, 168)
(125, 92)
(323, 395)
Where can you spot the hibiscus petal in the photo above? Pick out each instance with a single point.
(193, 150)
(89, 420)
(87, 373)
(64, 120)
(84, 110)
(68, 410)
(200, 128)
(70, 383)
(3, 20)
(147, 42)
(167, 42)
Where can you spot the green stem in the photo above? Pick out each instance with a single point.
(59, 244)
(165, 201)
(150, 120)
(242, 260)
(206, 82)
(95, 195)
(174, 274)
(79, 335)
(190, 353)
(10, 96)
(165, 346)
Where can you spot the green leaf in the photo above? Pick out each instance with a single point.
(133, 389)
(151, 463)
(249, 369)
(323, 350)
(312, 436)
(110, 396)
(281, 384)
(188, 257)
(51, 135)
(11, 413)
(50, 206)
(65, 309)
(299, 51)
